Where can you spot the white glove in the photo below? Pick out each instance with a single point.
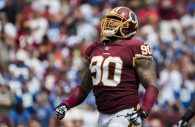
(60, 111)
(137, 117)
(182, 123)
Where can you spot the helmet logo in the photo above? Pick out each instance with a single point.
(133, 17)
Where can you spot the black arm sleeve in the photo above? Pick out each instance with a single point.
(190, 112)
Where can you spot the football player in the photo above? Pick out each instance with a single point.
(116, 67)
(187, 116)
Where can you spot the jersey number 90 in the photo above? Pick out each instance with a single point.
(100, 67)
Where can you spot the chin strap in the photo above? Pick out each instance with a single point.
(131, 34)
(111, 33)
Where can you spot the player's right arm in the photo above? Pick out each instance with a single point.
(76, 97)
(78, 94)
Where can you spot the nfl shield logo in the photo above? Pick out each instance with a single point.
(106, 48)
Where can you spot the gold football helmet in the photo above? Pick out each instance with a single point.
(121, 22)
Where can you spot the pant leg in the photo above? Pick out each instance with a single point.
(118, 122)
(104, 120)
(119, 119)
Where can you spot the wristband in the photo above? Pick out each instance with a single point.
(76, 97)
(149, 98)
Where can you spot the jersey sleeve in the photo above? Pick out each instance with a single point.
(139, 50)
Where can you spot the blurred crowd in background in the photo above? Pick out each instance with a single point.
(41, 57)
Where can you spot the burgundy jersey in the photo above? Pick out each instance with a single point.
(115, 83)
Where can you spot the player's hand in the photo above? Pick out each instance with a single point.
(136, 117)
(182, 123)
(60, 111)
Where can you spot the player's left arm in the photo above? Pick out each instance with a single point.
(146, 73)
(145, 70)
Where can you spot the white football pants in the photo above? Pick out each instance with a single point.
(115, 120)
